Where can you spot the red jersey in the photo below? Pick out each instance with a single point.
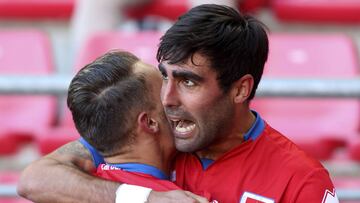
(267, 169)
(143, 179)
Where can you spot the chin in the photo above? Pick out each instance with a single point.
(185, 147)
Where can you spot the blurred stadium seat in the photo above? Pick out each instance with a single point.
(344, 11)
(317, 125)
(10, 178)
(354, 149)
(252, 5)
(24, 52)
(36, 9)
(63, 9)
(142, 44)
(168, 9)
(49, 139)
(172, 9)
(52, 138)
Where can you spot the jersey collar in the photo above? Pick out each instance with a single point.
(142, 168)
(256, 129)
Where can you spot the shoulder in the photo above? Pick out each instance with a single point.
(308, 180)
(74, 148)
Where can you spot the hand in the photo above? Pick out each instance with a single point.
(175, 196)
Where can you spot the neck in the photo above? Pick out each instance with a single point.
(232, 138)
(145, 152)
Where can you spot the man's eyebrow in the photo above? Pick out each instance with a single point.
(181, 74)
(161, 67)
(187, 75)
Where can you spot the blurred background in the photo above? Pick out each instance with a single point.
(310, 89)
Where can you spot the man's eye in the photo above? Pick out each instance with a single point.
(165, 77)
(189, 83)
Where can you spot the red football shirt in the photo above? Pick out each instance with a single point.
(267, 169)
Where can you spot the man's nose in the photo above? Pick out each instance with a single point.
(169, 95)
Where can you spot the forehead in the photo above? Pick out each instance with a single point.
(151, 74)
(144, 68)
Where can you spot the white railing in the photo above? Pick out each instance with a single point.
(269, 87)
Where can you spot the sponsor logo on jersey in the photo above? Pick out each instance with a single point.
(106, 167)
(249, 197)
(330, 197)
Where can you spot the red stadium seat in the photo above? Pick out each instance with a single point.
(52, 138)
(36, 9)
(169, 9)
(172, 9)
(354, 149)
(344, 11)
(317, 125)
(10, 178)
(142, 44)
(252, 5)
(25, 53)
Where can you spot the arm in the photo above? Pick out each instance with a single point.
(62, 177)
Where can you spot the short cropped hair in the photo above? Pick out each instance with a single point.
(105, 98)
(235, 44)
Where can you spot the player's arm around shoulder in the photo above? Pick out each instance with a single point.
(63, 176)
(316, 187)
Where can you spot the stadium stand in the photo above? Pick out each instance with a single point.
(36, 9)
(318, 126)
(24, 52)
(342, 11)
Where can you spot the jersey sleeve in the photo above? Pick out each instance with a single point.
(316, 187)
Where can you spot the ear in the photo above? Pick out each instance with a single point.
(147, 123)
(242, 88)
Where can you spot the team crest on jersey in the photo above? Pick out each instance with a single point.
(330, 197)
(249, 197)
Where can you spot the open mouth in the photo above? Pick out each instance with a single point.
(183, 126)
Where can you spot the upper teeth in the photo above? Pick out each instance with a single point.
(182, 129)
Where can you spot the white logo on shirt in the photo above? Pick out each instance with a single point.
(250, 197)
(106, 167)
(330, 197)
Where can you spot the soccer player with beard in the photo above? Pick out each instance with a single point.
(212, 60)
